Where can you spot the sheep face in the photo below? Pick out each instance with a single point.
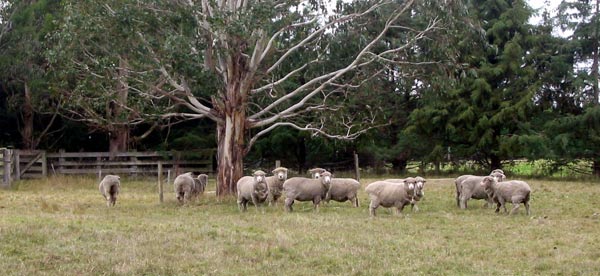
(317, 172)
(419, 184)
(260, 185)
(498, 176)
(280, 173)
(259, 176)
(487, 184)
(326, 179)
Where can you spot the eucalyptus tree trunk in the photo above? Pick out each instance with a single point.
(230, 152)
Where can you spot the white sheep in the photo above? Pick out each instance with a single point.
(186, 187)
(109, 188)
(275, 184)
(343, 189)
(419, 183)
(306, 189)
(467, 187)
(252, 188)
(389, 194)
(513, 191)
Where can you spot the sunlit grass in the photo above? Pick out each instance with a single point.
(61, 226)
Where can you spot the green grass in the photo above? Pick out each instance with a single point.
(61, 226)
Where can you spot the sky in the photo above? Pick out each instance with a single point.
(539, 4)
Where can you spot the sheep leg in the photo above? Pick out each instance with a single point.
(356, 201)
(498, 207)
(372, 207)
(288, 204)
(457, 197)
(463, 202)
(254, 201)
(515, 208)
(316, 203)
(527, 207)
(414, 207)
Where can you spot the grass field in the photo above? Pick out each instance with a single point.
(61, 226)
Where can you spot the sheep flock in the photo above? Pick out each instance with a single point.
(323, 186)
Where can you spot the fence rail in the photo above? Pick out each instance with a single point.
(17, 164)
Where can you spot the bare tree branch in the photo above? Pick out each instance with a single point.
(330, 77)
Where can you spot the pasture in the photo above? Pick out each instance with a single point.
(61, 226)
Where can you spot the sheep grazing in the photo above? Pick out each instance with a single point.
(188, 187)
(513, 191)
(390, 194)
(343, 189)
(316, 172)
(109, 188)
(275, 184)
(467, 188)
(252, 188)
(306, 189)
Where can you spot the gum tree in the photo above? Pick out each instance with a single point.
(264, 64)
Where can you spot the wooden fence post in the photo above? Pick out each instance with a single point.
(17, 158)
(277, 163)
(44, 164)
(7, 167)
(61, 160)
(356, 167)
(160, 184)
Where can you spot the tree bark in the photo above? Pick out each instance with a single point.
(119, 138)
(596, 168)
(230, 151)
(119, 133)
(495, 162)
(27, 114)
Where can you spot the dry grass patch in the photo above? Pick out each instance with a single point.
(61, 226)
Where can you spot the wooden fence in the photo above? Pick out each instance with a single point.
(19, 164)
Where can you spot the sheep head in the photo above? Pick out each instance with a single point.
(326, 179)
(260, 185)
(280, 173)
(419, 185)
(488, 183)
(316, 172)
(497, 171)
(498, 175)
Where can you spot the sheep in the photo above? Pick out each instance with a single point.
(306, 189)
(343, 189)
(513, 191)
(275, 184)
(466, 190)
(252, 188)
(199, 185)
(186, 187)
(316, 172)
(419, 184)
(109, 188)
(389, 194)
